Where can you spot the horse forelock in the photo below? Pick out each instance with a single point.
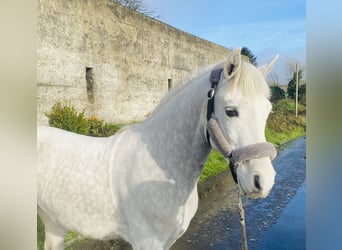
(250, 82)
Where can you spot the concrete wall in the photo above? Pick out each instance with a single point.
(129, 58)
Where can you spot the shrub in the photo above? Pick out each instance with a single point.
(282, 125)
(67, 118)
(99, 128)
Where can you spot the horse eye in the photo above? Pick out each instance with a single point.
(231, 112)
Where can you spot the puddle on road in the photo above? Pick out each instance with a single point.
(284, 235)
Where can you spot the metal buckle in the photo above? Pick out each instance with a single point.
(211, 93)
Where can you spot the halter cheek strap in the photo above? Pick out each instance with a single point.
(215, 77)
(214, 132)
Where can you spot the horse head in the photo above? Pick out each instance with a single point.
(242, 107)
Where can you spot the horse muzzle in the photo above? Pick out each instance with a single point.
(239, 155)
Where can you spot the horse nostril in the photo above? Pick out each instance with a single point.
(257, 182)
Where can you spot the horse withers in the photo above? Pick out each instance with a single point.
(141, 183)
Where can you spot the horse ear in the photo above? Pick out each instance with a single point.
(232, 64)
(266, 68)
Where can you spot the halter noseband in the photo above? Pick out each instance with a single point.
(214, 132)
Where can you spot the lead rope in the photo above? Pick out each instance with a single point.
(242, 223)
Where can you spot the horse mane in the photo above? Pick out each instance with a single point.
(250, 81)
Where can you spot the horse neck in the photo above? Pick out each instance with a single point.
(177, 132)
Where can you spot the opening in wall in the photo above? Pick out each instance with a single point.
(169, 84)
(90, 84)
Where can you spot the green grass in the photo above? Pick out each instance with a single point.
(40, 234)
(282, 125)
(280, 138)
(70, 236)
(215, 165)
(115, 127)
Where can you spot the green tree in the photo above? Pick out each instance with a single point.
(302, 94)
(277, 93)
(291, 88)
(252, 58)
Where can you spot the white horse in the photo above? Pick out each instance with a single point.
(141, 183)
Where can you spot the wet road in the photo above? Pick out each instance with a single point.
(216, 225)
(284, 235)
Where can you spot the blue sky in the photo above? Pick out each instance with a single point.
(266, 27)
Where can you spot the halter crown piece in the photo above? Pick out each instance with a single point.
(214, 132)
